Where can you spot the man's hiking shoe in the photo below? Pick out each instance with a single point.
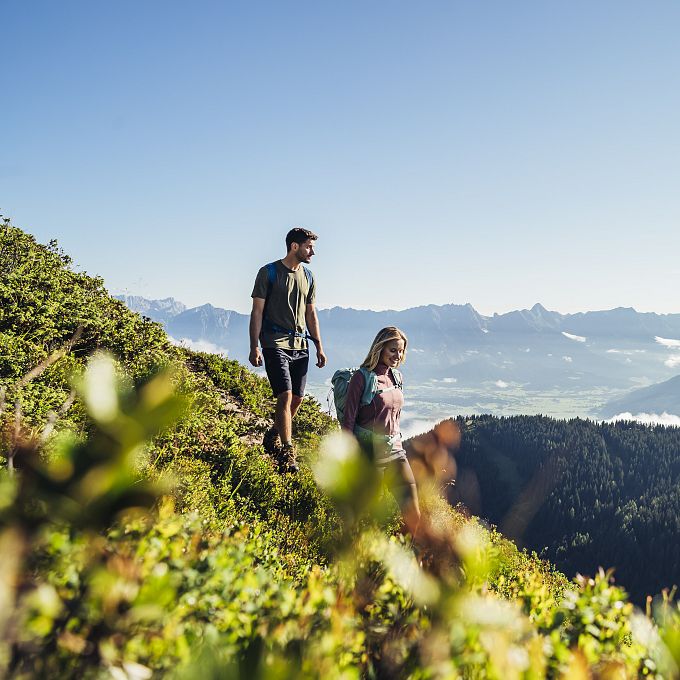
(288, 458)
(272, 442)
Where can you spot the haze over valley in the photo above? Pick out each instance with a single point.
(531, 361)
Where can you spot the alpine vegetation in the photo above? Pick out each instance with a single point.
(145, 532)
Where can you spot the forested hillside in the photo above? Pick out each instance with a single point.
(660, 398)
(144, 533)
(582, 493)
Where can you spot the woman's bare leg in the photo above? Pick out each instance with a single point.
(403, 486)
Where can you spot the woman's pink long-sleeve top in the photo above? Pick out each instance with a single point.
(382, 414)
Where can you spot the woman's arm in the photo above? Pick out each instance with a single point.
(353, 401)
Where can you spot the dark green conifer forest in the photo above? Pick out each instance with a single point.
(581, 493)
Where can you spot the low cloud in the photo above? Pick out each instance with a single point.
(410, 427)
(626, 351)
(501, 383)
(571, 336)
(672, 361)
(667, 419)
(567, 359)
(200, 345)
(668, 342)
(444, 380)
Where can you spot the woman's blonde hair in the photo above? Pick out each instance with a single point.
(384, 336)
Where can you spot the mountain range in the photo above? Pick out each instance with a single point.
(453, 348)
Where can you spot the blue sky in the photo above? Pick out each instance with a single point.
(497, 153)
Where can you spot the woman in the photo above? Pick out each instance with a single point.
(376, 424)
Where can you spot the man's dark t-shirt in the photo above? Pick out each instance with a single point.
(286, 305)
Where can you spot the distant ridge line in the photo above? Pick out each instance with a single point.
(537, 307)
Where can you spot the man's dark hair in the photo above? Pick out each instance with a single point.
(299, 235)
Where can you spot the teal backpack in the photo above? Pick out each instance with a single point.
(340, 385)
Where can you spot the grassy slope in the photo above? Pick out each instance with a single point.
(240, 553)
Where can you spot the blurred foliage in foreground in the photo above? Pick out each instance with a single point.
(144, 532)
(166, 591)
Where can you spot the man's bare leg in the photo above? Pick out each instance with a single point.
(294, 406)
(283, 418)
(287, 405)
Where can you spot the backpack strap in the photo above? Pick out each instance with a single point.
(370, 386)
(398, 379)
(271, 280)
(271, 274)
(271, 277)
(267, 325)
(310, 278)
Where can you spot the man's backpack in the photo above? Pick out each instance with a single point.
(271, 276)
(269, 326)
(340, 386)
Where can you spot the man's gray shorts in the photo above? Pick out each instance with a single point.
(286, 369)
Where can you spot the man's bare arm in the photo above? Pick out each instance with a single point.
(255, 327)
(312, 321)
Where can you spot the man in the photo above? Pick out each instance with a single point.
(283, 318)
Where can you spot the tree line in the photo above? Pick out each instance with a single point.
(583, 494)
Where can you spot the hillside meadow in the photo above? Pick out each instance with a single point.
(144, 533)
